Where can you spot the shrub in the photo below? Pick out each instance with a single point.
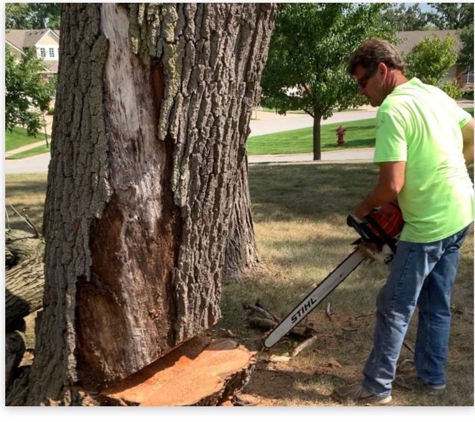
(452, 89)
(467, 92)
(50, 111)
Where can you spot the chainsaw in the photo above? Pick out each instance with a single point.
(379, 233)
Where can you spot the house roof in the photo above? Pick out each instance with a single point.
(23, 38)
(409, 39)
(51, 66)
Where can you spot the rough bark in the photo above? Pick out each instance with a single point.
(24, 277)
(241, 250)
(152, 114)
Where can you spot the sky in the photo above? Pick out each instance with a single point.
(423, 6)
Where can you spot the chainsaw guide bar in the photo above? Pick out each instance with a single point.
(379, 233)
(317, 295)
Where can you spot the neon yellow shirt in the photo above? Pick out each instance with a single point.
(420, 124)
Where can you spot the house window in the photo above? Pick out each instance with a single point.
(51, 52)
(43, 52)
(469, 77)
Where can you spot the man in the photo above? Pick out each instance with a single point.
(423, 143)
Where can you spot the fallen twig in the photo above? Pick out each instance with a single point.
(27, 220)
(364, 316)
(304, 345)
(408, 346)
(268, 324)
(262, 311)
(328, 311)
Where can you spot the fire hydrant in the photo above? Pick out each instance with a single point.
(341, 133)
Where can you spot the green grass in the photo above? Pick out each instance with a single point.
(18, 137)
(359, 134)
(42, 149)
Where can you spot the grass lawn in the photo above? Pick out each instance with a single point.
(42, 149)
(19, 138)
(359, 134)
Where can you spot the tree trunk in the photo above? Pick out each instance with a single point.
(152, 114)
(241, 251)
(317, 136)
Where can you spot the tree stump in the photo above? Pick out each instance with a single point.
(198, 373)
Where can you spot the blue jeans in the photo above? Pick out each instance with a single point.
(422, 274)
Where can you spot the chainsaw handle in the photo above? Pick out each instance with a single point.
(362, 229)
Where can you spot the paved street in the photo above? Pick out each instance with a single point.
(265, 123)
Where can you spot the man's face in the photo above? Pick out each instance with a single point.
(370, 85)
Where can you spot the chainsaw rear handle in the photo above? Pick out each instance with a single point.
(368, 235)
(362, 228)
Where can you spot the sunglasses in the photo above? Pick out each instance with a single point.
(364, 80)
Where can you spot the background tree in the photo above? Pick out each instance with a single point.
(465, 58)
(15, 16)
(148, 145)
(451, 15)
(310, 47)
(27, 95)
(32, 15)
(403, 18)
(431, 59)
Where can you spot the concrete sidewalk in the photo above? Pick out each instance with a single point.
(363, 155)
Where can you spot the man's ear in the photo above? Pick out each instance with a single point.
(383, 70)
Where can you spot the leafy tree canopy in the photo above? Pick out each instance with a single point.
(431, 59)
(404, 18)
(27, 96)
(451, 15)
(32, 15)
(309, 51)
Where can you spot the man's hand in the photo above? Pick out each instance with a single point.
(362, 210)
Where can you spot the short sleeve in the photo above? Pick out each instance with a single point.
(391, 143)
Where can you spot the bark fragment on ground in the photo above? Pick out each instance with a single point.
(200, 373)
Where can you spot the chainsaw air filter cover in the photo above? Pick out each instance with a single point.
(387, 219)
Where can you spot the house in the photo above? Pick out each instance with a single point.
(44, 41)
(409, 39)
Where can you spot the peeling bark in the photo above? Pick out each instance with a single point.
(153, 110)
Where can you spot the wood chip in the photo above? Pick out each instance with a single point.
(276, 358)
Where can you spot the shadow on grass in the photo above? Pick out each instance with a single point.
(314, 192)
